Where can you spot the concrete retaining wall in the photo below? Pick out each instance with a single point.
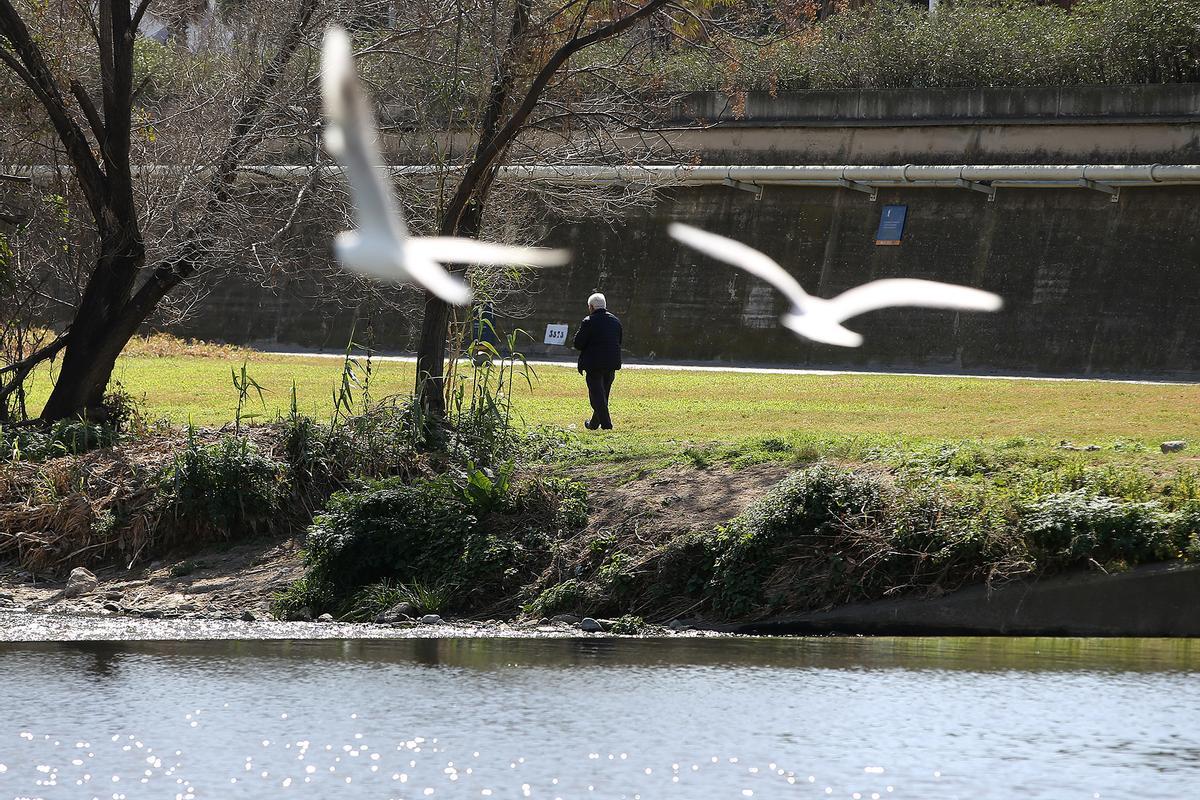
(1048, 125)
(1156, 600)
(1092, 287)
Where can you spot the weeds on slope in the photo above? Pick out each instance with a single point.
(905, 523)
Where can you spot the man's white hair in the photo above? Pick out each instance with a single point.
(597, 301)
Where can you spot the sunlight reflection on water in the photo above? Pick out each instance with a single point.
(849, 718)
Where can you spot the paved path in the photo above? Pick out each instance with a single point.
(778, 370)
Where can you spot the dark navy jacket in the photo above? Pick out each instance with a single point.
(599, 341)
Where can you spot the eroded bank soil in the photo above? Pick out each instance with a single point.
(228, 582)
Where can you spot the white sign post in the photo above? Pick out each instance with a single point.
(556, 334)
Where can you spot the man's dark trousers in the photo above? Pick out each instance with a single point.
(599, 383)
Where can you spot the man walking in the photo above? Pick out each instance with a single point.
(599, 346)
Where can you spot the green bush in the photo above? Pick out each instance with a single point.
(391, 530)
(374, 599)
(471, 541)
(683, 567)
(570, 596)
(220, 491)
(971, 43)
(1075, 527)
(628, 625)
(65, 437)
(375, 444)
(306, 594)
(182, 569)
(809, 504)
(828, 535)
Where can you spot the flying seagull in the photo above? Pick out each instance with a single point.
(820, 320)
(381, 247)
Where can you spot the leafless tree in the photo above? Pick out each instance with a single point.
(152, 150)
(554, 83)
(82, 67)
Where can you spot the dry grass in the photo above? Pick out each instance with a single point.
(164, 345)
(83, 510)
(62, 512)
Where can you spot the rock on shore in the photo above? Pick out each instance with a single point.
(81, 582)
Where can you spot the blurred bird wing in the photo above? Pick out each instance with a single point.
(741, 256)
(427, 272)
(909, 292)
(459, 250)
(350, 136)
(821, 329)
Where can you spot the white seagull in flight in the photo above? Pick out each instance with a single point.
(381, 247)
(820, 320)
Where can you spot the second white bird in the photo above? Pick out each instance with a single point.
(820, 320)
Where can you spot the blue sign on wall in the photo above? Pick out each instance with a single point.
(891, 225)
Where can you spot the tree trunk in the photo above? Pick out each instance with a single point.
(431, 357)
(101, 329)
(464, 213)
(435, 325)
(110, 310)
(464, 217)
(87, 365)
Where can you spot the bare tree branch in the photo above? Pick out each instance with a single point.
(166, 275)
(494, 145)
(137, 15)
(89, 109)
(35, 73)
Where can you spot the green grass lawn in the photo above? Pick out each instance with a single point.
(653, 407)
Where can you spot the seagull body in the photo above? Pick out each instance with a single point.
(821, 320)
(381, 246)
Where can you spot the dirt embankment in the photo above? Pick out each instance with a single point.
(661, 504)
(218, 582)
(232, 581)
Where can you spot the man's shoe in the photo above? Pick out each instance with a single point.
(587, 423)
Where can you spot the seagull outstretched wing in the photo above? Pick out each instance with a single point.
(909, 292)
(458, 250)
(741, 256)
(350, 136)
(431, 275)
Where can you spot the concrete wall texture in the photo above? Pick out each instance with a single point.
(1091, 287)
(1150, 600)
(1048, 125)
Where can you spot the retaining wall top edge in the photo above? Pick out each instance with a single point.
(1180, 100)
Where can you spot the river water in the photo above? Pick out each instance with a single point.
(849, 718)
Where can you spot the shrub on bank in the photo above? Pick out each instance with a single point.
(392, 529)
(378, 443)
(828, 535)
(219, 492)
(1073, 527)
(473, 538)
(970, 43)
(570, 596)
(806, 510)
(136, 499)
(65, 437)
